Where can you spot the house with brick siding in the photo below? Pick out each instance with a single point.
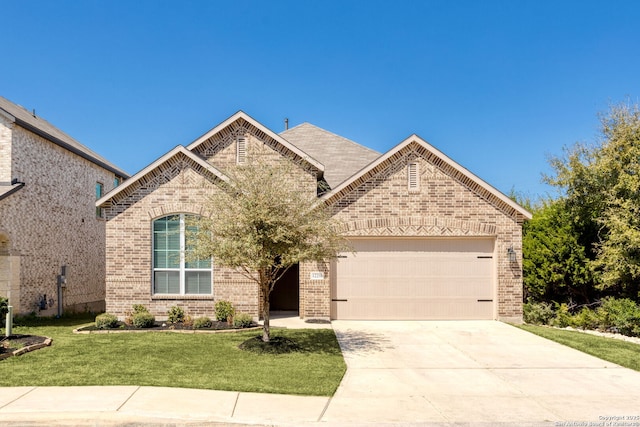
(49, 225)
(430, 239)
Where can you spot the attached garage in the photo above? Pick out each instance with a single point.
(415, 279)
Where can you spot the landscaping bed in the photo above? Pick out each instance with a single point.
(216, 326)
(15, 345)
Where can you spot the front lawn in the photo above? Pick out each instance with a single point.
(623, 353)
(206, 361)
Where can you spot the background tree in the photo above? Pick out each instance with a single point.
(555, 266)
(601, 194)
(263, 223)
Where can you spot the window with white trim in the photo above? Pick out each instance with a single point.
(172, 272)
(413, 177)
(241, 150)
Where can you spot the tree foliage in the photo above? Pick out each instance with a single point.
(554, 264)
(601, 195)
(264, 222)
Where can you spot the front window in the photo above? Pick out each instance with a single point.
(173, 273)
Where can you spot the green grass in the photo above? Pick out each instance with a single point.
(205, 361)
(623, 353)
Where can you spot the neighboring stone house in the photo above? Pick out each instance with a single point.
(49, 183)
(431, 240)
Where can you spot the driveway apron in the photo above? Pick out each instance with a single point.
(474, 372)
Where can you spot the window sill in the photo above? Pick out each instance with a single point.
(180, 297)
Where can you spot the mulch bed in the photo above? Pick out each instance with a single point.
(165, 326)
(15, 345)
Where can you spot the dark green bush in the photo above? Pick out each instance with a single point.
(538, 313)
(621, 315)
(143, 320)
(224, 310)
(4, 309)
(202, 323)
(106, 321)
(175, 314)
(242, 320)
(562, 317)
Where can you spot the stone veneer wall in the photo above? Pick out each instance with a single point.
(52, 222)
(383, 206)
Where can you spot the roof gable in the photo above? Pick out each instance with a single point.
(262, 132)
(29, 121)
(147, 174)
(341, 156)
(444, 163)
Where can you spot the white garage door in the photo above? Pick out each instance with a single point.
(421, 279)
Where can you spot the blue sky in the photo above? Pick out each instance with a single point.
(496, 85)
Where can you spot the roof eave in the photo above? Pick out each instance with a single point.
(69, 147)
(14, 188)
(178, 149)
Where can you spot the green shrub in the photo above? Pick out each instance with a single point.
(562, 317)
(176, 314)
(143, 320)
(537, 313)
(224, 310)
(242, 320)
(106, 321)
(622, 315)
(4, 309)
(201, 323)
(139, 308)
(587, 318)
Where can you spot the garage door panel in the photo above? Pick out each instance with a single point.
(415, 308)
(415, 279)
(461, 288)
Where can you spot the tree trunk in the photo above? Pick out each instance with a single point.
(266, 333)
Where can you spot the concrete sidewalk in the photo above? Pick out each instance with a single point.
(123, 405)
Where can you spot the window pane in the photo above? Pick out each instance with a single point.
(166, 242)
(199, 263)
(166, 282)
(198, 282)
(190, 243)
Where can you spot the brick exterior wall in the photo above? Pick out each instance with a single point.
(379, 205)
(50, 222)
(383, 206)
(174, 187)
(5, 149)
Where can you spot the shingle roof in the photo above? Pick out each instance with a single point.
(341, 156)
(46, 130)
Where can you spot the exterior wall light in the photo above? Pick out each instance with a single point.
(511, 254)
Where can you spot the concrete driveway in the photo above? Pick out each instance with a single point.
(474, 372)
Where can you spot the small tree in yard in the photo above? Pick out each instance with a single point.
(263, 223)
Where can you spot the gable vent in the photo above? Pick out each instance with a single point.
(241, 150)
(413, 177)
